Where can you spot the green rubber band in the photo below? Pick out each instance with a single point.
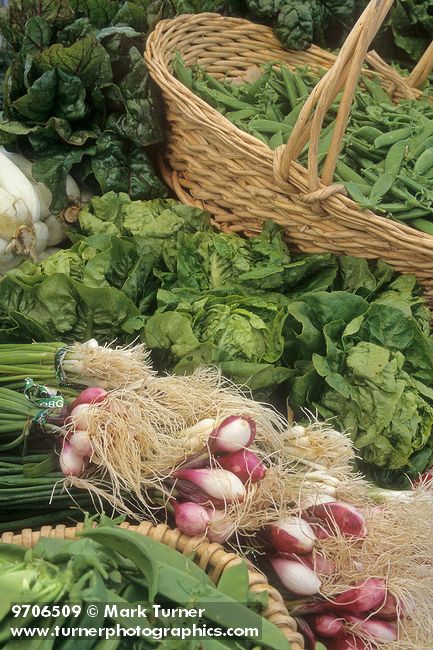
(42, 395)
(58, 365)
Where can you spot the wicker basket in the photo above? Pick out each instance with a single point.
(212, 164)
(213, 558)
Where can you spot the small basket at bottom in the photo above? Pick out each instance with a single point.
(211, 557)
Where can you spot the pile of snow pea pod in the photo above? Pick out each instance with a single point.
(386, 163)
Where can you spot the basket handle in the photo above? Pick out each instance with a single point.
(395, 79)
(422, 69)
(344, 72)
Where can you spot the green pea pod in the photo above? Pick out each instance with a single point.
(271, 113)
(349, 174)
(290, 85)
(302, 88)
(356, 194)
(276, 141)
(381, 187)
(291, 118)
(216, 85)
(268, 126)
(387, 139)
(259, 136)
(395, 156)
(412, 184)
(377, 93)
(243, 114)
(413, 213)
(368, 133)
(256, 86)
(424, 225)
(425, 162)
(183, 73)
(421, 140)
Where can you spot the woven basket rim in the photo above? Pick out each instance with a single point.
(412, 237)
(210, 556)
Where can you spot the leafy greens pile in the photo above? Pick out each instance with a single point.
(77, 95)
(345, 336)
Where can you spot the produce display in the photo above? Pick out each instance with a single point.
(157, 369)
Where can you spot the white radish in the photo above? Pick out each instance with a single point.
(44, 194)
(296, 577)
(221, 527)
(80, 443)
(17, 184)
(70, 463)
(80, 416)
(56, 230)
(42, 235)
(382, 631)
(315, 500)
(291, 535)
(13, 214)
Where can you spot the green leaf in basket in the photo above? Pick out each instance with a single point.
(357, 195)
(234, 582)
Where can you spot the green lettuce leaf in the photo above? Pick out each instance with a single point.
(65, 310)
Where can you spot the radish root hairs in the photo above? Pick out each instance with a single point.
(398, 548)
(106, 366)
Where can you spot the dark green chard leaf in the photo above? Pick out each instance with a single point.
(140, 121)
(53, 12)
(86, 59)
(99, 12)
(37, 36)
(79, 75)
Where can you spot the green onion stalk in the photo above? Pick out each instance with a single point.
(35, 360)
(20, 416)
(71, 366)
(33, 493)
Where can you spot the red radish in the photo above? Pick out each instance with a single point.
(80, 416)
(320, 531)
(296, 577)
(318, 562)
(345, 518)
(389, 610)
(220, 527)
(215, 485)
(328, 625)
(381, 631)
(80, 443)
(307, 633)
(233, 434)
(367, 596)
(349, 642)
(245, 464)
(191, 518)
(425, 478)
(91, 395)
(291, 535)
(70, 463)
